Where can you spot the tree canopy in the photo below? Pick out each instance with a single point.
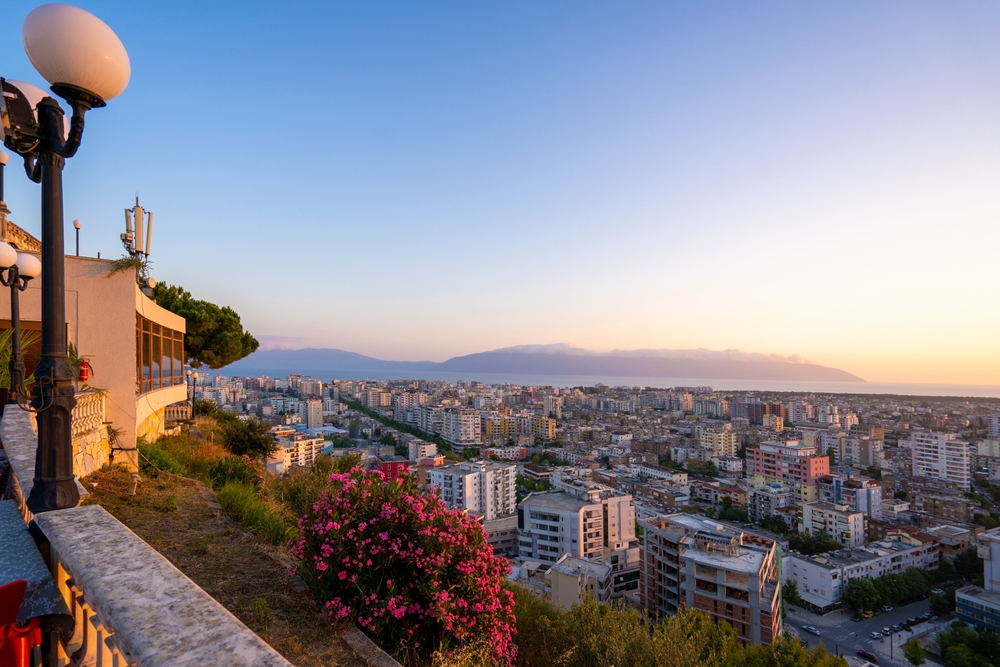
(215, 336)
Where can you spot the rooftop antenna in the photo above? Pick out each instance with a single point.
(136, 218)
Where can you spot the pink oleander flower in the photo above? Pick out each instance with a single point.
(413, 574)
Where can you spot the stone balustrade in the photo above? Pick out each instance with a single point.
(130, 604)
(88, 415)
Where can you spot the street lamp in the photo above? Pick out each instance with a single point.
(77, 225)
(86, 64)
(20, 268)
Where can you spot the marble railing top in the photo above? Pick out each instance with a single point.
(20, 442)
(159, 616)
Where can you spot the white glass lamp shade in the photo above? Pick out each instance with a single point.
(28, 265)
(77, 224)
(4, 158)
(69, 45)
(8, 256)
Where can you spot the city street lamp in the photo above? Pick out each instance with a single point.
(85, 64)
(20, 268)
(76, 225)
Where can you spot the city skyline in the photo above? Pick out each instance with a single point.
(440, 180)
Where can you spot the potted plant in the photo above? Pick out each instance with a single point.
(28, 338)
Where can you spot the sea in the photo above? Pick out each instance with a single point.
(877, 388)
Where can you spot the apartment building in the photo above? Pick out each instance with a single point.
(484, 488)
(690, 562)
(406, 400)
(723, 442)
(980, 606)
(570, 579)
(311, 412)
(821, 579)
(420, 449)
(505, 453)
(300, 449)
(840, 522)
(940, 456)
(768, 501)
(376, 399)
(543, 428)
(772, 422)
(461, 427)
(552, 406)
(584, 520)
(789, 463)
(858, 493)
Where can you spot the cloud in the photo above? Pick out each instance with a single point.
(280, 342)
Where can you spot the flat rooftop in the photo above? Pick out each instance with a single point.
(558, 500)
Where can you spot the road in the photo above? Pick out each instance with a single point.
(839, 633)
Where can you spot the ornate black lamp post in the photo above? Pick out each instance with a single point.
(86, 64)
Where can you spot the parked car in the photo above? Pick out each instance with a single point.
(867, 614)
(868, 655)
(926, 615)
(811, 630)
(913, 621)
(937, 591)
(856, 619)
(897, 628)
(886, 631)
(887, 609)
(875, 635)
(934, 618)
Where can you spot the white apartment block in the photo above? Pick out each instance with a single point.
(993, 426)
(311, 413)
(583, 519)
(821, 579)
(418, 449)
(767, 501)
(940, 456)
(486, 489)
(405, 400)
(858, 493)
(552, 405)
(461, 426)
(651, 470)
(839, 521)
(799, 412)
(300, 450)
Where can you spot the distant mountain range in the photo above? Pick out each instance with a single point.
(561, 359)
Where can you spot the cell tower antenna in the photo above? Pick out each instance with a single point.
(138, 225)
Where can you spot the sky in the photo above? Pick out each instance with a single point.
(417, 181)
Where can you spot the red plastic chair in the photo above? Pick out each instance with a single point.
(15, 642)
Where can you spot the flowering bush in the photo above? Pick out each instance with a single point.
(419, 577)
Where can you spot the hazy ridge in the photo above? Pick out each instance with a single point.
(562, 359)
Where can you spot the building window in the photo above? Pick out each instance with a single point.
(159, 353)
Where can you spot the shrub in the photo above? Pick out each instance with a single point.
(235, 469)
(196, 456)
(243, 504)
(299, 488)
(419, 577)
(248, 436)
(154, 459)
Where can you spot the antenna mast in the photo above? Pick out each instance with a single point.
(137, 218)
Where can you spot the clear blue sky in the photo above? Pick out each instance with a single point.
(419, 180)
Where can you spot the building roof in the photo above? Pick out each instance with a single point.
(557, 500)
(574, 567)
